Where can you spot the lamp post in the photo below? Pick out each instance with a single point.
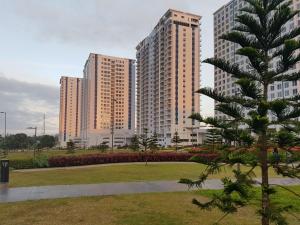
(113, 122)
(4, 129)
(35, 130)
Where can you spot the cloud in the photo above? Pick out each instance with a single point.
(54, 32)
(25, 104)
(93, 22)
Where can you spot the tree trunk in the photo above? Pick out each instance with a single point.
(265, 200)
(146, 157)
(265, 186)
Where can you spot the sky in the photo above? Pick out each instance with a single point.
(43, 40)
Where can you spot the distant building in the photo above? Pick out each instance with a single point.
(224, 21)
(108, 104)
(70, 109)
(168, 74)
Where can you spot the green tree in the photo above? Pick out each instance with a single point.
(103, 147)
(259, 34)
(47, 141)
(16, 141)
(70, 146)
(213, 138)
(134, 143)
(176, 140)
(146, 144)
(2, 147)
(153, 145)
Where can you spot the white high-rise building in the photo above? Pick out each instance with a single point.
(224, 21)
(168, 75)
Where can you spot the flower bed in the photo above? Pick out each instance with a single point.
(62, 161)
(295, 149)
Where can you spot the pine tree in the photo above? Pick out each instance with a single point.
(259, 35)
(147, 143)
(176, 140)
(153, 145)
(213, 138)
(134, 144)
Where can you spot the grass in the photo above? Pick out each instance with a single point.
(29, 154)
(113, 173)
(139, 209)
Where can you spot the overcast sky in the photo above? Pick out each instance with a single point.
(42, 40)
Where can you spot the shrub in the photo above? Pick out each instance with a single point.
(63, 161)
(21, 164)
(41, 161)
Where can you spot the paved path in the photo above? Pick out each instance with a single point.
(65, 191)
(98, 165)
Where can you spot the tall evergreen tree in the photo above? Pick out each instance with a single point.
(146, 143)
(176, 140)
(153, 145)
(213, 138)
(134, 143)
(261, 40)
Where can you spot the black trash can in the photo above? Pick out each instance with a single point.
(4, 176)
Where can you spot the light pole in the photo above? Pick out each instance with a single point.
(4, 129)
(35, 129)
(113, 122)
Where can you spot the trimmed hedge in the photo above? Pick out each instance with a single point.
(18, 164)
(93, 159)
(64, 161)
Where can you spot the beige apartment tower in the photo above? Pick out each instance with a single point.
(168, 74)
(70, 109)
(108, 104)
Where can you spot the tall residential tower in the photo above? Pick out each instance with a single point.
(70, 109)
(108, 104)
(168, 74)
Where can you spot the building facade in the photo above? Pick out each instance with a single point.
(223, 82)
(168, 74)
(108, 103)
(70, 109)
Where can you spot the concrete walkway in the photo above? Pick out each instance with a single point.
(97, 165)
(66, 191)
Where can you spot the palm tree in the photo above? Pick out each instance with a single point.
(259, 35)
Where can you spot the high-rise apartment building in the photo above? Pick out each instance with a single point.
(108, 104)
(168, 74)
(70, 109)
(224, 83)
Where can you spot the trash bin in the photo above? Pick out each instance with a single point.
(4, 176)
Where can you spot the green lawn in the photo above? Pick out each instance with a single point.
(139, 209)
(113, 173)
(28, 154)
(49, 153)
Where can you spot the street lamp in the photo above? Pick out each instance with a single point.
(4, 127)
(35, 129)
(113, 122)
